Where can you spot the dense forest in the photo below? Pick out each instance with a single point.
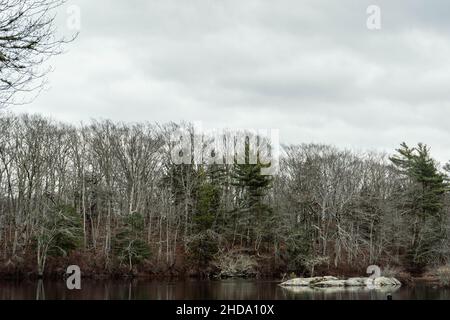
(107, 197)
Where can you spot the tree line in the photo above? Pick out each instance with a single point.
(108, 197)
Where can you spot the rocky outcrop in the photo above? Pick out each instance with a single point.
(330, 282)
(358, 282)
(384, 281)
(307, 282)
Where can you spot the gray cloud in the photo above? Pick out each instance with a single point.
(310, 68)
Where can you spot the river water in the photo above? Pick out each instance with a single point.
(199, 290)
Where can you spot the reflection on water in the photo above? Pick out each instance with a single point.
(40, 290)
(200, 290)
(347, 293)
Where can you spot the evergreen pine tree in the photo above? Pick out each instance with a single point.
(204, 241)
(252, 211)
(423, 196)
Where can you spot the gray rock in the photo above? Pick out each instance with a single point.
(384, 281)
(330, 283)
(306, 282)
(356, 282)
(369, 282)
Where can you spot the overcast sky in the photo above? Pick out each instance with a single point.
(310, 68)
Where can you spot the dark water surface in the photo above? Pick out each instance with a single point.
(198, 290)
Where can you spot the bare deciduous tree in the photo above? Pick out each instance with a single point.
(326, 208)
(27, 39)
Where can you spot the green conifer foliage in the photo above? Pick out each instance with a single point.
(422, 200)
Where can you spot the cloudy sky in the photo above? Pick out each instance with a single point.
(310, 68)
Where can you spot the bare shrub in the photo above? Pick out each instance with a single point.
(313, 262)
(235, 264)
(391, 271)
(443, 274)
